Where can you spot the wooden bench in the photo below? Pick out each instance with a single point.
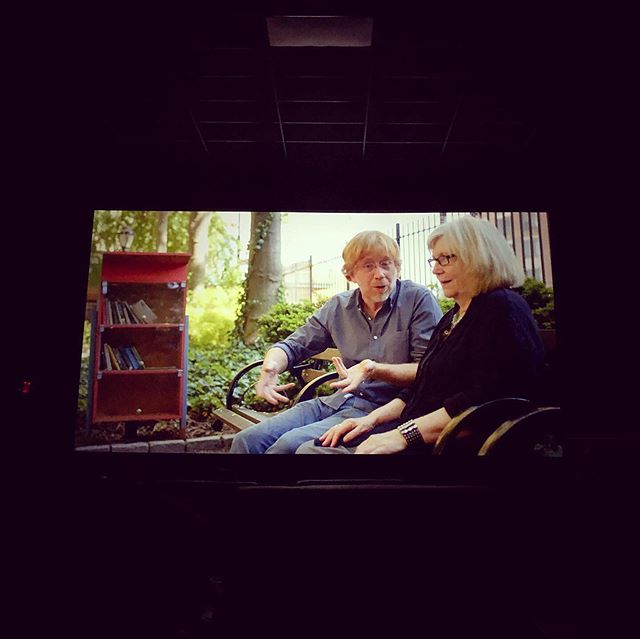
(310, 375)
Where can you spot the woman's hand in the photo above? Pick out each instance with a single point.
(347, 430)
(383, 444)
(267, 386)
(351, 378)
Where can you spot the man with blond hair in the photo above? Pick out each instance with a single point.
(380, 328)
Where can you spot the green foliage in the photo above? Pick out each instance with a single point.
(211, 314)
(211, 368)
(222, 264)
(540, 300)
(446, 304)
(84, 370)
(283, 319)
(222, 269)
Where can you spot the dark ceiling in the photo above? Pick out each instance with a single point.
(433, 92)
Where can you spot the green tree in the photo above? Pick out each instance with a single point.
(166, 231)
(199, 247)
(162, 231)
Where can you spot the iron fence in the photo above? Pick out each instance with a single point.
(314, 281)
(526, 232)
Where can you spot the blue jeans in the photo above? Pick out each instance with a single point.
(284, 432)
(310, 448)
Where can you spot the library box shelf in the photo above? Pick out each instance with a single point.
(139, 339)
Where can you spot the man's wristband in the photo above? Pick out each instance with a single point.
(410, 432)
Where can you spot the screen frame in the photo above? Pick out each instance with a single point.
(376, 190)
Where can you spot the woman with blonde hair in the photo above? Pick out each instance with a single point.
(487, 346)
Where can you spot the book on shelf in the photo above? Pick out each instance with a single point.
(135, 315)
(123, 312)
(106, 358)
(115, 364)
(117, 312)
(128, 357)
(139, 359)
(143, 312)
(133, 318)
(118, 363)
(120, 358)
(122, 363)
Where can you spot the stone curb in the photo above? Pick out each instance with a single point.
(167, 446)
(97, 448)
(133, 447)
(213, 444)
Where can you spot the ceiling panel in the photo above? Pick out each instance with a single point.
(428, 88)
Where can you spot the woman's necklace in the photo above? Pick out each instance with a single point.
(456, 318)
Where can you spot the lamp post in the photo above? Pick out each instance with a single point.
(125, 237)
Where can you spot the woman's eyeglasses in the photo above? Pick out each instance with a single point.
(443, 260)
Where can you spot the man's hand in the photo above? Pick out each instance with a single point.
(267, 386)
(351, 378)
(383, 444)
(347, 430)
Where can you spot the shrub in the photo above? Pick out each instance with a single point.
(446, 304)
(540, 300)
(283, 319)
(211, 368)
(84, 371)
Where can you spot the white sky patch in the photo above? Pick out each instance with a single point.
(319, 235)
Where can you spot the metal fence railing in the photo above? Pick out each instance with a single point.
(314, 281)
(526, 232)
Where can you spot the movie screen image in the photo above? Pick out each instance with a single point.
(182, 306)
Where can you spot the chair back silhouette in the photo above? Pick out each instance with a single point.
(536, 433)
(464, 434)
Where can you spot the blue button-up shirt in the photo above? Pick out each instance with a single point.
(398, 334)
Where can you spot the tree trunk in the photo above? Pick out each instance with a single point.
(265, 272)
(162, 225)
(199, 246)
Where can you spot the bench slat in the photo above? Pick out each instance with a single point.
(232, 419)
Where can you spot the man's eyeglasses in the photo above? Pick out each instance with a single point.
(443, 260)
(370, 266)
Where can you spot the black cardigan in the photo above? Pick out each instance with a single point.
(495, 351)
